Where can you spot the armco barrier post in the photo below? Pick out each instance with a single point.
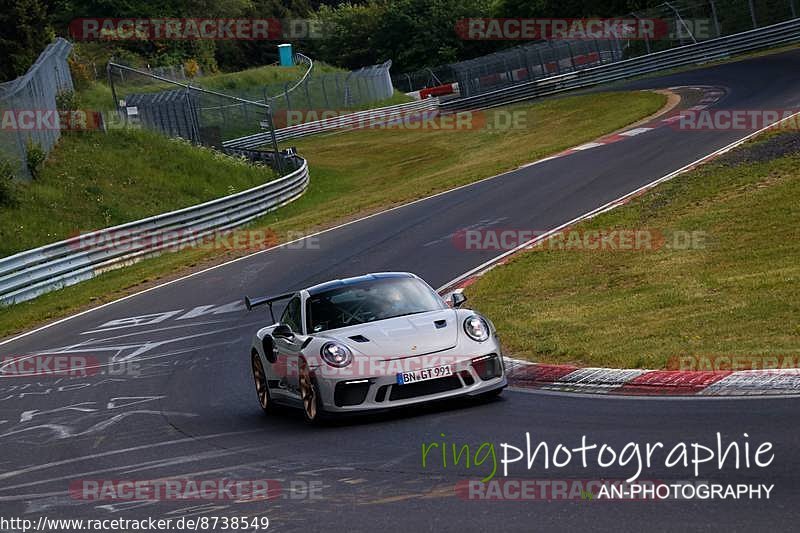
(286, 95)
(273, 138)
(324, 92)
(753, 13)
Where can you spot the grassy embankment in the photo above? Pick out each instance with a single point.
(733, 292)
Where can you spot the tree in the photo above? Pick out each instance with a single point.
(412, 33)
(25, 30)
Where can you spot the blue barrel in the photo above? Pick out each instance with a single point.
(285, 51)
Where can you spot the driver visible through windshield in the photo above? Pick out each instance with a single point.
(369, 301)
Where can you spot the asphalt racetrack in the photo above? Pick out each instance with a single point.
(192, 412)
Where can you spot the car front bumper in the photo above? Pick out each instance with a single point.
(471, 376)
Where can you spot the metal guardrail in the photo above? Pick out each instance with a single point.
(720, 48)
(28, 274)
(367, 118)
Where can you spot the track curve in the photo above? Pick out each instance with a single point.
(188, 407)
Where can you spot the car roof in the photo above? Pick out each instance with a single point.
(328, 285)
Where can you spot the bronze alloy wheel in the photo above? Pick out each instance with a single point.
(308, 392)
(260, 377)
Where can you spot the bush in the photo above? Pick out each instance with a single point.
(67, 100)
(191, 68)
(6, 183)
(35, 158)
(82, 76)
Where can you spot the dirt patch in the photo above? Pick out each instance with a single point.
(782, 144)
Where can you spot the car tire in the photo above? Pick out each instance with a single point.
(309, 393)
(260, 379)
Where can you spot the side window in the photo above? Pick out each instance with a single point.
(291, 315)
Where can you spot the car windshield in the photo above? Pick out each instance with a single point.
(369, 301)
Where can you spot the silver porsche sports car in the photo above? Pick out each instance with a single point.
(372, 342)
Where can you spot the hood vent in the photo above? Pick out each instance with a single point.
(359, 338)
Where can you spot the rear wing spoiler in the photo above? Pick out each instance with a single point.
(266, 300)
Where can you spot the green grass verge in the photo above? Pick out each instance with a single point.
(373, 170)
(736, 294)
(94, 180)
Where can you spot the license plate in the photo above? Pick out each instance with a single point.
(415, 376)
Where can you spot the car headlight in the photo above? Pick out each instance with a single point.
(336, 354)
(477, 328)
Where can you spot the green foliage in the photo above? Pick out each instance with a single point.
(24, 32)
(420, 33)
(67, 100)
(6, 182)
(35, 157)
(412, 33)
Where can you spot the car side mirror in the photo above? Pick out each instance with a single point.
(457, 299)
(282, 331)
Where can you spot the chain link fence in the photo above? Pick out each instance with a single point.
(531, 62)
(182, 109)
(693, 21)
(186, 109)
(680, 22)
(320, 90)
(358, 89)
(28, 107)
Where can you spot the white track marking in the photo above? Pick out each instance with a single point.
(588, 146)
(635, 131)
(14, 473)
(127, 469)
